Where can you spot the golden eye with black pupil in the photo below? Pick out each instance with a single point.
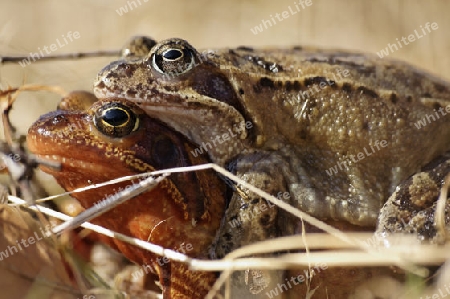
(116, 120)
(174, 57)
(165, 152)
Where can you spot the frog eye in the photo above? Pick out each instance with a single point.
(173, 57)
(116, 120)
(165, 152)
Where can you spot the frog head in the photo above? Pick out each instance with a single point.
(179, 85)
(108, 139)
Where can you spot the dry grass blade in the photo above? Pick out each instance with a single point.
(67, 56)
(30, 262)
(109, 203)
(173, 255)
(440, 210)
(341, 250)
(375, 256)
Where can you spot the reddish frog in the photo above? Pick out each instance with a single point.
(97, 142)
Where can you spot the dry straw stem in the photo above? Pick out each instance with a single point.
(440, 209)
(9, 96)
(35, 270)
(343, 249)
(109, 233)
(66, 56)
(113, 201)
(335, 240)
(14, 92)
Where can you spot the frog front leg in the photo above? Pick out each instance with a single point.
(412, 207)
(250, 218)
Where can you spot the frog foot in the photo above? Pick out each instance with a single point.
(412, 208)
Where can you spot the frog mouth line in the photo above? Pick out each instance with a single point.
(65, 163)
(185, 109)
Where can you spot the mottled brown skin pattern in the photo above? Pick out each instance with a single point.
(380, 99)
(180, 210)
(354, 101)
(411, 208)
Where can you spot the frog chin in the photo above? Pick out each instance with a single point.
(71, 172)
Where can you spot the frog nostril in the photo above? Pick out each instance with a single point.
(127, 70)
(58, 119)
(100, 84)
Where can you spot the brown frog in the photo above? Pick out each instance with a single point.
(338, 131)
(97, 142)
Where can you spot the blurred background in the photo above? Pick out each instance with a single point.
(28, 25)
